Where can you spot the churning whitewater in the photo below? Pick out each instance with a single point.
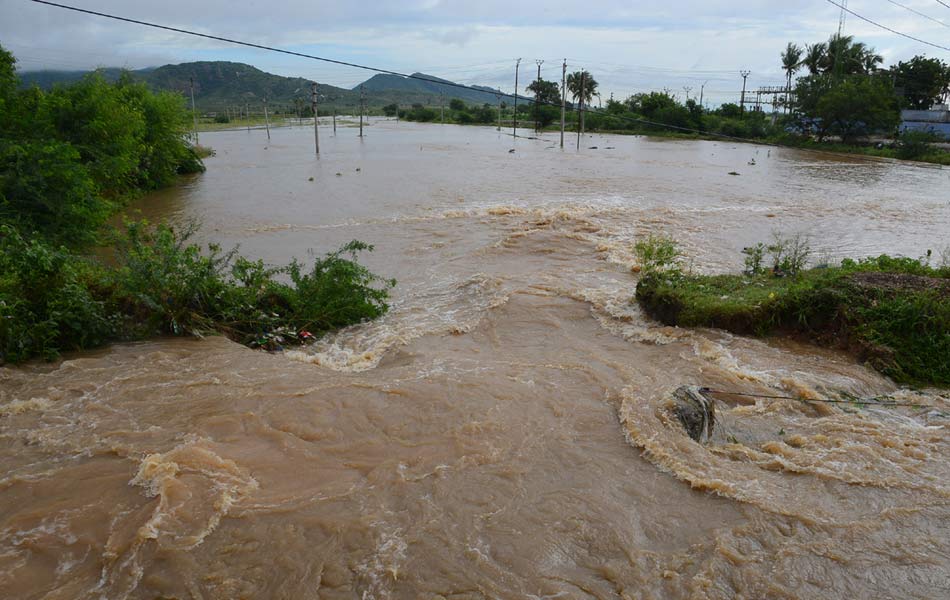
(505, 431)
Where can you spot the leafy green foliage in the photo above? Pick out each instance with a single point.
(47, 302)
(923, 81)
(52, 301)
(658, 254)
(849, 107)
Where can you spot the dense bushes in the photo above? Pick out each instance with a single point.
(52, 300)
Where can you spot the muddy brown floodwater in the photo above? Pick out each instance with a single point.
(504, 431)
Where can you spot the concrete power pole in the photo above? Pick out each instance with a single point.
(701, 88)
(247, 116)
(580, 121)
(514, 130)
(498, 98)
(194, 113)
(537, 100)
(313, 104)
(687, 89)
(745, 75)
(563, 97)
(442, 107)
(266, 119)
(362, 98)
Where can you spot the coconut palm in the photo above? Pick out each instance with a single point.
(574, 86)
(791, 62)
(815, 57)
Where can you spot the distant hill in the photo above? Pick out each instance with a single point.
(220, 84)
(429, 87)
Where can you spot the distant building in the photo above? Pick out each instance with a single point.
(935, 120)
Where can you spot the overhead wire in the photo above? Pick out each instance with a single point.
(917, 12)
(867, 20)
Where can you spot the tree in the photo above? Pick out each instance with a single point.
(840, 55)
(391, 110)
(548, 92)
(850, 107)
(574, 86)
(925, 81)
(791, 62)
(456, 104)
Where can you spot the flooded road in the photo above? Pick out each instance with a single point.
(504, 431)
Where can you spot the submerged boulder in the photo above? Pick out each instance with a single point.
(695, 411)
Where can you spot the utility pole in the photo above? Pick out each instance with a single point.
(514, 130)
(687, 89)
(745, 75)
(701, 88)
(563, 97)
(442, 106)
(334, 117)
(580, 121)
(247, 116)
(498, 98)
(194, 113)
(313, 105)
(266, 119)
(362, 97)
(537, 100)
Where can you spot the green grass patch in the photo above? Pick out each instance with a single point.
(892, 312)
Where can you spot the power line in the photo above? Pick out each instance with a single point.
(944, 3)
(917, 12)
(867, 20)
(259, 46)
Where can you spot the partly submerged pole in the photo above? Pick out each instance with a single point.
(194, 113)
(514, 129)
(266, 119)
(316, 130)
(563, 98)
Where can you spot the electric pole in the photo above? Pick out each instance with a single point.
(247, 116)
(537, 100)
(687, 89)
(514, 130)
(701, 88)
(266, 119)
(361, 110)
(580, 121)
(563, 97)
(498, 98)
(442, 106)
(313, 105)
(194, 113)
(745, 75)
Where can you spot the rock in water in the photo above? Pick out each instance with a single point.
(695, 411)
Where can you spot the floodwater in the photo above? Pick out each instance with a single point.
(504, 432)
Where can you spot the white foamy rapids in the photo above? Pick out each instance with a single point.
(445, 307)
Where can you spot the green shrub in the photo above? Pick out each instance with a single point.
(48, 300)
(658, 254)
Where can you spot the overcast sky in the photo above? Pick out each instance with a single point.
(629, 46)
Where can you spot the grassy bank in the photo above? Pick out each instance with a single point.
(893, 313)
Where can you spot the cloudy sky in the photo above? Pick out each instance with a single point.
(628, 46)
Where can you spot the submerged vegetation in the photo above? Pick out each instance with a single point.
(69, 159)
(892, 312)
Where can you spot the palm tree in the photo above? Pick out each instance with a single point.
(791, 62)
(574, 86)
(815, 57)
